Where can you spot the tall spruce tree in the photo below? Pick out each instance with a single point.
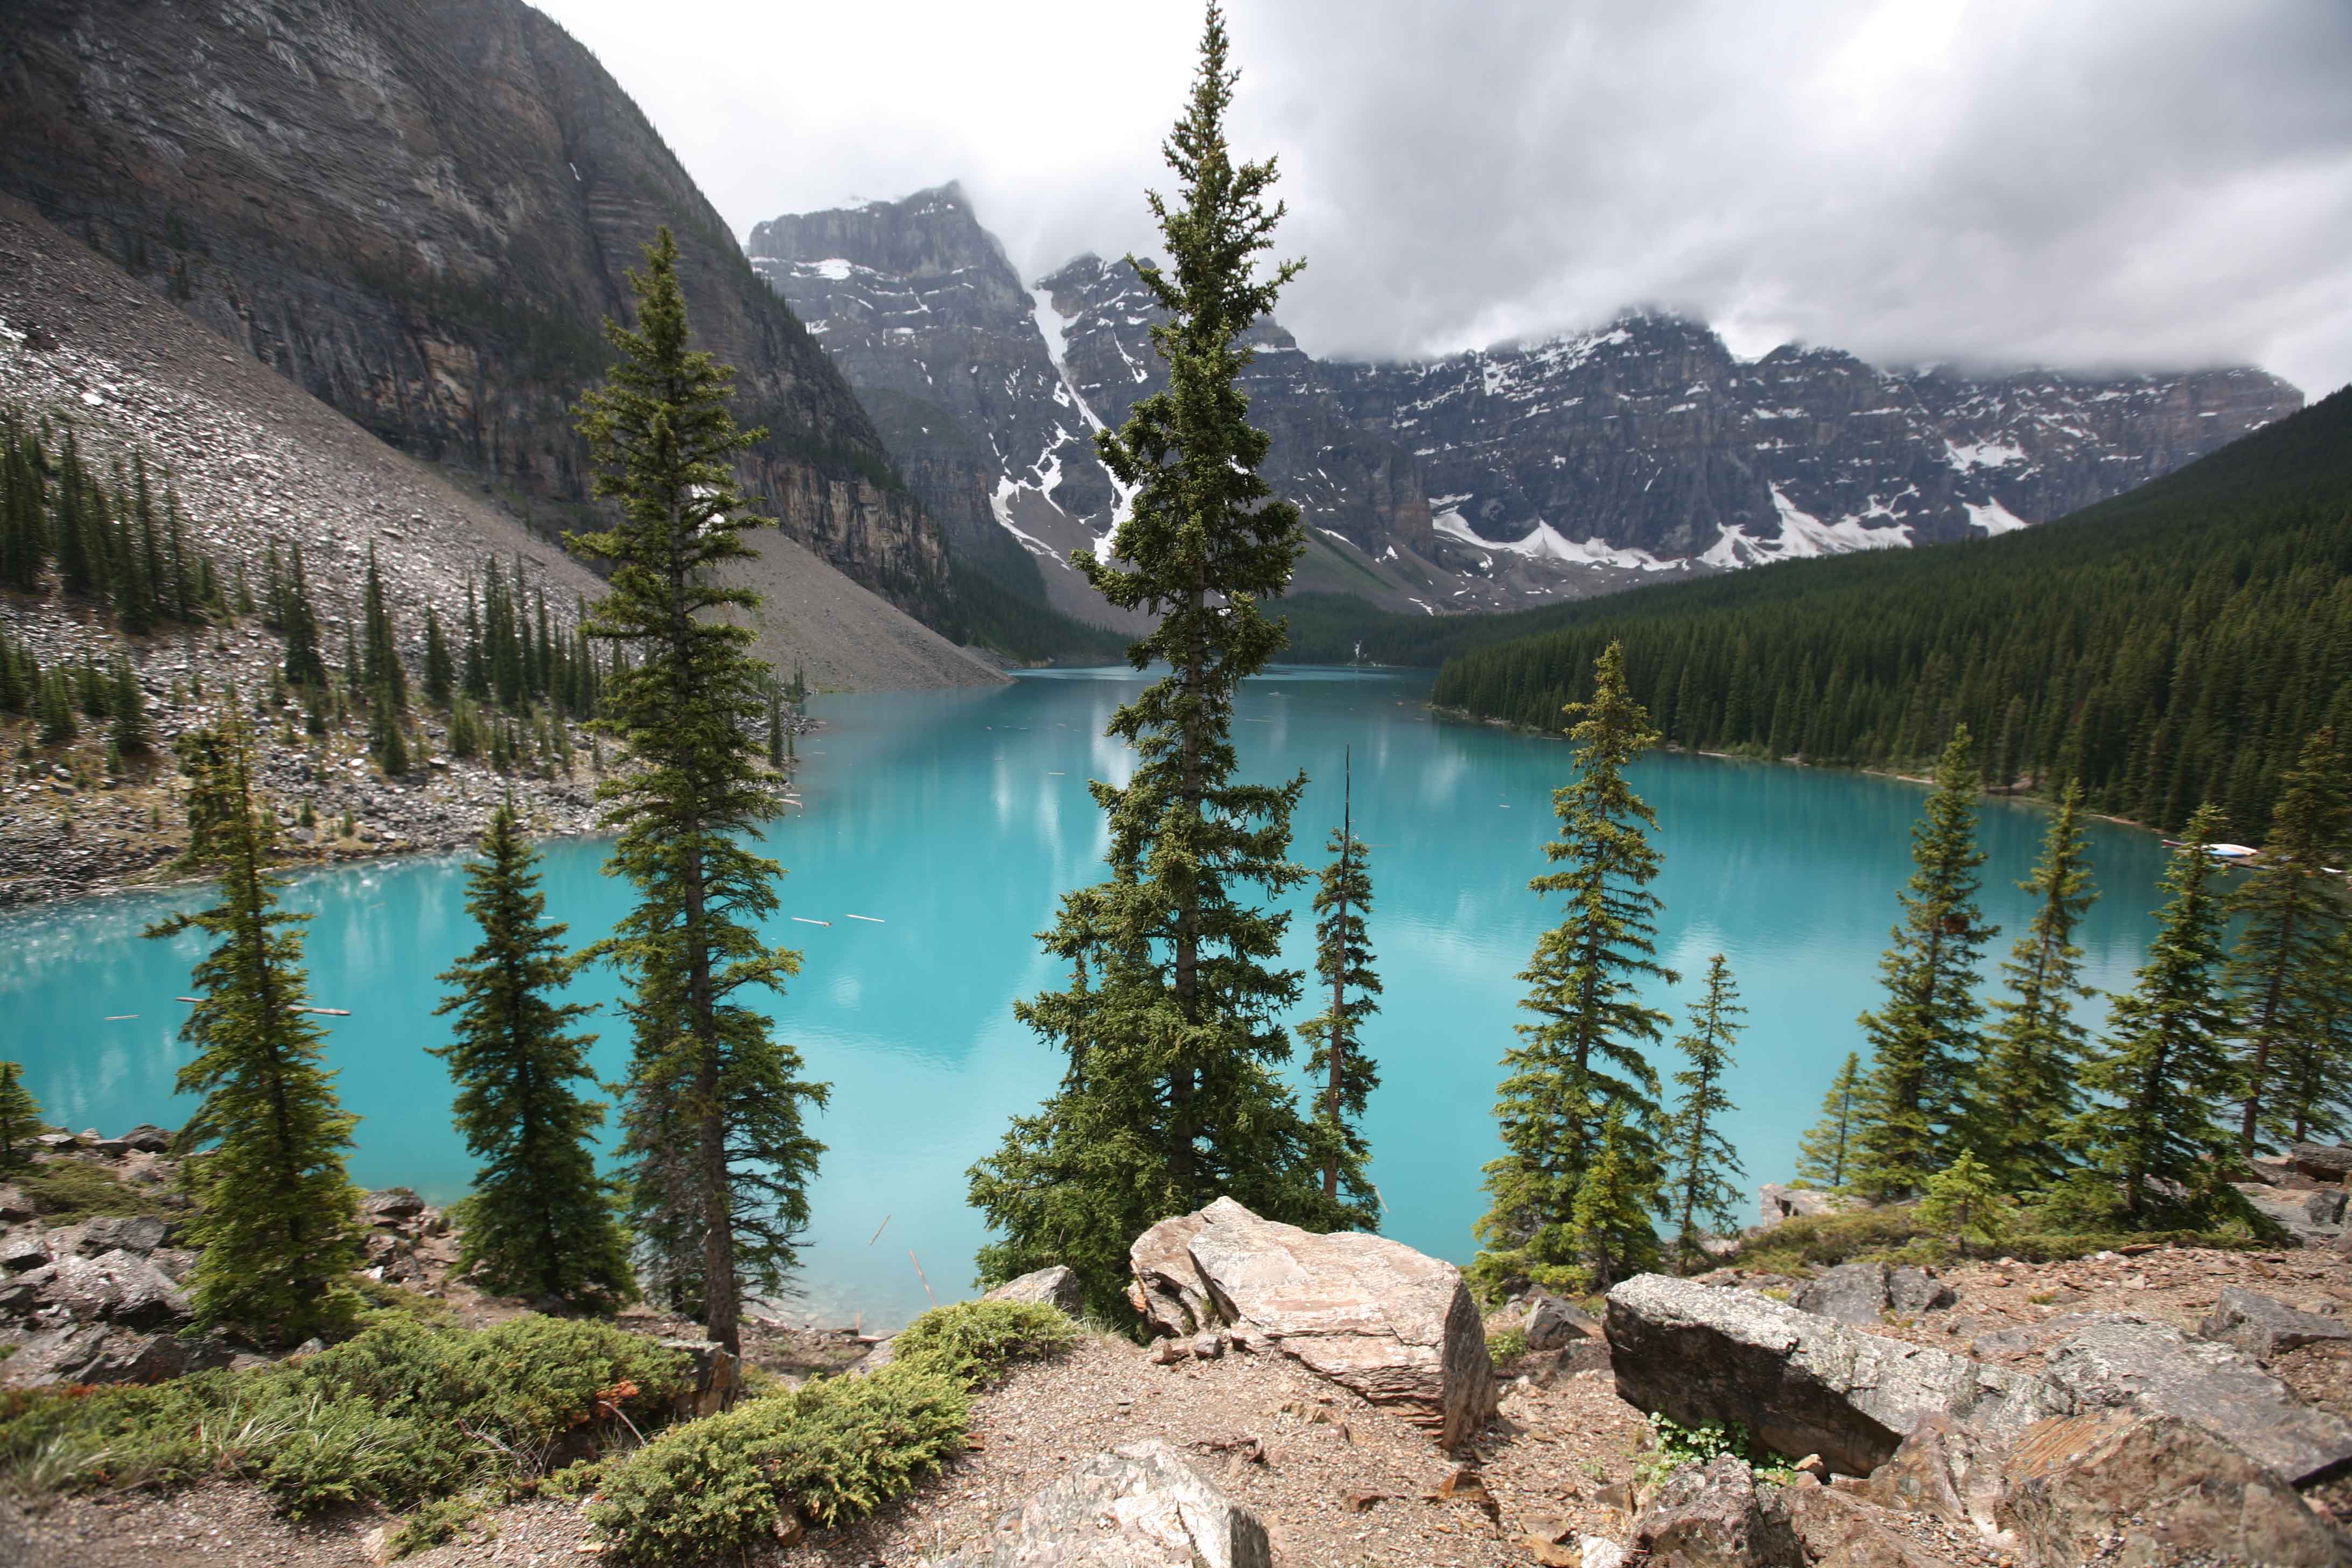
(2157, 1154)
(1701, 1164)
(2026, 1093)
(1924, 1039)
(276, 1218)
(387, 681)
(718, 1153)
(1825, 1153)
(1341, 1076)
(1608, 1222)
(440, 672)
(1585, 1061)
(305, 666)
(2293, 907)
(2315, 1091)
(539, 1221)
(20, 1117)
(1180, 1099)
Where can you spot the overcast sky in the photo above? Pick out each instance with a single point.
(2081, 182)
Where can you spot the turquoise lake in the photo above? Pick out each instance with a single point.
(957, 819)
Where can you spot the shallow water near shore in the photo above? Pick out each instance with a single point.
(955, 820)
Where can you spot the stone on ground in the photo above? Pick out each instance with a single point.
(2263, 1328)
(1396, 1326)
(105, 1352)
(1838, 1529)
(2321, 1161)
(1859, 1294)
(1054, 1287)
(2171, 1491)
(1801, 1384)
(1136, 1506)
(1716, 1516)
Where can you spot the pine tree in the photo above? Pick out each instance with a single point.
(476, 667)
(1608, 1222)
(387, 681)
(2027, 1092)
(540, 1221)
(2314, 1098)
(20, 1117)
(718, 1157)
(1585, 1059)
(277, 1219)
(2157, 1158)
(131, 734)
(53, 710)
(1180, 1098)
(1825, 1153)
(1700, 1160)
(1924, 1041)
(385, 739)
(304, 663)
(1963, 1202)
(440, 674)
(775, 726)
(2293, 906)
(1343, 1074)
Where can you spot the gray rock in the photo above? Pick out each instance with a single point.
(2321, 1161)
(1914, 1292)
(1168, 1290)
(1552, 1323)
(1801, 1384)
(22, 1249)
(718, 1377)
(148, 1138)
(140, 1234)
(2157, 1369)
(104, 1352)
(2120, 1486)
(1850, 1293)
(2326, 1207)
(1055, 1287)
(1394, 1325)
(1776, 1202)
(14, 1204)
(1137, 1506)
(1715, 1517)
(118, 1287)
(1839, 1529)
(1600, 1551)
(112, 1148)
(390, 1206)
(18, 1299)
(2263, 1328)
(58, 1142)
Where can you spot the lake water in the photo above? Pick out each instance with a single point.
(956, 819)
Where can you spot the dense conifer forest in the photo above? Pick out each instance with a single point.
(2167, 647)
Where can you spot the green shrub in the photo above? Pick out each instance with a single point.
(397, 1415)
(1507, 1344)
(831, 1451)
(76, 1189)
(1673, 1444)
(1894, 1235)
(975, 1341)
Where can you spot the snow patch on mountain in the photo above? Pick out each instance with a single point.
(1993, 517)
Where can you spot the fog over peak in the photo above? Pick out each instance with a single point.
(2084, 184)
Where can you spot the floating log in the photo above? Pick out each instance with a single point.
(118, 1017)
(806, 921)
(870, 920)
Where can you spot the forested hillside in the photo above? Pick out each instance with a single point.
(2171, 646)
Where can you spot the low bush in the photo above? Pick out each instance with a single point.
(398, 1415)
(1673, 1444)
(77, 1189)
(1507, 1344)
(831, 1451)
(1894, 1234)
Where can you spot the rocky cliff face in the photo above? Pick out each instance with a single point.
(420, 213)
(1577, 464)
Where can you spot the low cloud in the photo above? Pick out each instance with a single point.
(2084, 183)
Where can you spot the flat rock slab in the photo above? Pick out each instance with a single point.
(1714, 1516)
(2158, 1369)
(1801, 1384)
(2263, 1328)
(1055, 1287)
(1136, 1506)
(1394, 1325)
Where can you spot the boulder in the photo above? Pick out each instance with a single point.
(1600, 1551)
(1853, 1293)
(1137, 1506)
(1168, 1290)
(1396, 1326)
(2263, 1328)
(2325, 1205)
(1914, 1292)
(1715, 1517)
(390, 1206)
(14, 1204)
(1801, 1384)
(58, 1142)
(149, 1138)
(140, 1234)
(118, 1287)
(22, 1249)
(2321, 1161)
(102, 1352)
(718, 1377)
(2131, 1487)
(1838, 1529)
(1777, 1202)
(1553, 1323)
(1055, 1287)
(2156, 1368)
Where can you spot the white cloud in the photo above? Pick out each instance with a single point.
(2077, 182)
